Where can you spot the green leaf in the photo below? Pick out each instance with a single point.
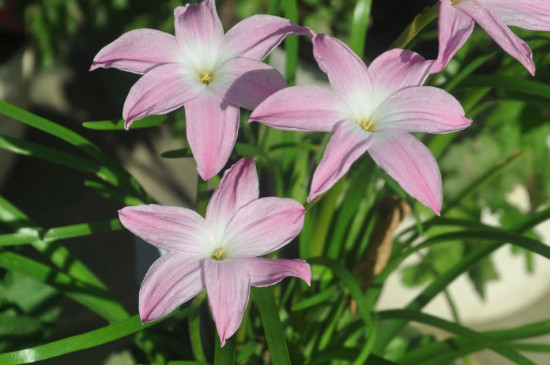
(316, 299)
(456, 329)
(420, 21)
(291, 43)
(359, 26)
(29, 234)
(57, 254)
(76, 343)
(65, 134)
(503, 82)
(109, 125)
(95, 299)
(225, 355)
(111, 193)
(274, 333)
(179, 153)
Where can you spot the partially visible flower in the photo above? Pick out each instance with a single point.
(456, 23)
(370, 110)
(217, 253)
(209, 73)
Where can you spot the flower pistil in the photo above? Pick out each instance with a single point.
(218, 254)
(205, 78)
(367, 125)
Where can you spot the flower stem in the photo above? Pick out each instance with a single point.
(195, 327)
(420, 21)
(225, 355)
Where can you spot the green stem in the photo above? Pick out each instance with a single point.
(195, 327)
(291, 43)
(359, 26)
(225, 355)
(420, 21)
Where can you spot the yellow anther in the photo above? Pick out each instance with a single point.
(367, 125)
(218, 255)
(454, 2)
(205, 78)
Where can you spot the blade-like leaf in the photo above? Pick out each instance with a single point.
(109, 125)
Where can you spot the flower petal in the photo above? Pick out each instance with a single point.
(138, 51)
(501, 34)
(301, 108)
(265, 272)
(256, 36)
(238, 187)
(411, 164)
(170, 228)
(247, 83)
(228, 288)
(346, 72)
(398, 68)
(171, 281)
(347, 143)
(212, 127)
(263, 226)
(454, 29)
(199, 33)
(421, 109)
(161, 90)
(528, 14)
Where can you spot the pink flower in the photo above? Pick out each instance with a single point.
(209, 73)
(456, 23)
(370, 110)
(217, 253)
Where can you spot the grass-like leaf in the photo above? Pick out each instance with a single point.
(79, 342)
(457, 330)
(109, 125)
(359, 25)
(97, 300)
(274, 333)
(67, 135)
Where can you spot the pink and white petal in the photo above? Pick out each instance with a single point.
(527, 14)
(171, 281)
(138, 51)
(263, 226)
(199, 33)
(500, 33)
(411, 164)
(398, 68)
(238, 187)
(345, 146)
(301, 108)
(346, 72)
(256, 36)
(454, 29)
(161, 90)
(212, 127)
(421, 109)
(171, 228)
(246, 83)
(265, 272)
(228, 288)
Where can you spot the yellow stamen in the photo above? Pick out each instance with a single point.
(218, 255)
(367, 125)
(205, 78)
(454, 2)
